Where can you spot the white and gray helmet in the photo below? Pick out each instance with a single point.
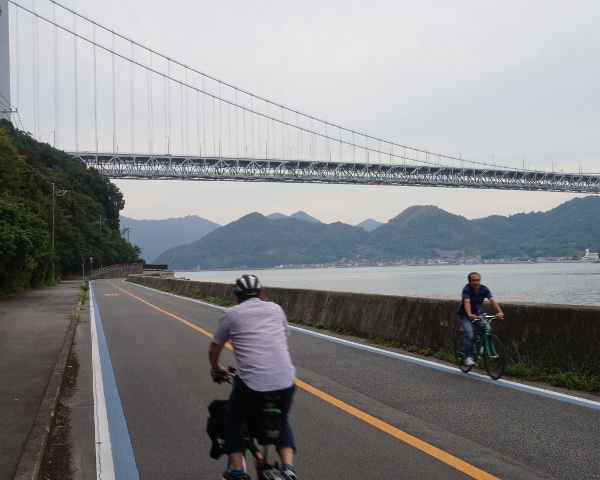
(247, 286)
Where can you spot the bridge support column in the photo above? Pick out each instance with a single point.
(5, 104)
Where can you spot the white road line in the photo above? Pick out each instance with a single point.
(113, 442)
(104, 462)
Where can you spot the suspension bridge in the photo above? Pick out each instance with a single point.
(133, 113)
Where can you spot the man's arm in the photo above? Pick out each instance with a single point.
(467, 304)
(499, 311)
(214, 352)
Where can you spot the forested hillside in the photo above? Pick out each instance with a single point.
(84, 213)
(418, 233)
(257, 241)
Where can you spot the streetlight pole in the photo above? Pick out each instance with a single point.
(55, 194)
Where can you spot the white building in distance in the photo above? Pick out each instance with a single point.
(589, 256)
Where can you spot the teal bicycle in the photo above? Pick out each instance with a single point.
(486, 347)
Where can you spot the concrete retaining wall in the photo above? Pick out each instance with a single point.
(563, 335)
(117, 271)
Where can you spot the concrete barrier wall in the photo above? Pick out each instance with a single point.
(118, 272)
(564, 335)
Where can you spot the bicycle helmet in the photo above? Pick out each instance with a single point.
(247, 286)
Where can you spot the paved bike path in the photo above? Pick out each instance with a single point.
(36, 333)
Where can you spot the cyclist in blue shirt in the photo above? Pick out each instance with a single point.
(473, 296)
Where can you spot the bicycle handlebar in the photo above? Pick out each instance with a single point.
(486, 317)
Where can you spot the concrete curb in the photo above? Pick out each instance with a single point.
(32, 459)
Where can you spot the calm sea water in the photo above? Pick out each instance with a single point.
(561, 283)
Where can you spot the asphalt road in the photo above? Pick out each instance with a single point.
(357, 413)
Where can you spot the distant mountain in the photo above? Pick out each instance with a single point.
(369, 224)
(299, 215)
(155, 236)
(566, 230)
(257, 241)
(429, 232)
(419, 232)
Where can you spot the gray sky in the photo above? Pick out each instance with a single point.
(512, 83)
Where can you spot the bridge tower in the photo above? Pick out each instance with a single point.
(5, 104)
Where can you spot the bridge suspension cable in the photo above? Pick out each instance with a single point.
(115, 77)
(303, 136)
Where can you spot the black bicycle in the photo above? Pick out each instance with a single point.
(262, 428)
(486, 346)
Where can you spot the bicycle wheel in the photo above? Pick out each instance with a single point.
(458, 352)
(493, 357)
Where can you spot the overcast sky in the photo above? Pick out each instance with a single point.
(511, 82)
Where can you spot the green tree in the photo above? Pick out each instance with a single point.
(85, 220)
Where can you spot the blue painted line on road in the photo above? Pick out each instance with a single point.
(122, 449)
(426, 363)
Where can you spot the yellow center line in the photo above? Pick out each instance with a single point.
(425, 447)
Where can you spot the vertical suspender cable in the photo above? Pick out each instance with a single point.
(56, 90)
(214, 123)
(229, 127)
(327, 152)
(114, 97)
(267, 127)
(17, 43)
(258, 117)
(181, 115)
(204, 116)
(35, 75)
(149, 107)
(169, 102)
(237, 109)
(132, 98)
(252, 124)
(220, 118)
(167, 139)
(273, 134)
(245, 137)
(187, 116)
(151, 98)
(95, 91)
(198, 122)
(76, 85)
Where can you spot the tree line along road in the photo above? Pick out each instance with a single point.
(358, 412)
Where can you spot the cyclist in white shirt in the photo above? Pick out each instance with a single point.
(258, 331)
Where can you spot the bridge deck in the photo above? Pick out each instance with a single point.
(168, 167)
